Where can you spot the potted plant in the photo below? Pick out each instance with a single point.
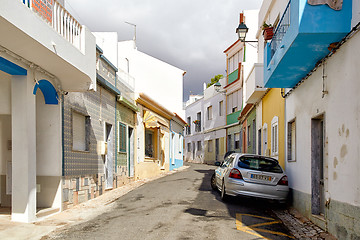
(268, 31)
(196, 122)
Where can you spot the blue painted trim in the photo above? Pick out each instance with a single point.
(99, 49)
(108, 62)
(103, 82)
(48, 90)
(11, 68)
(62, 134)
(312, 29)
(178, 163)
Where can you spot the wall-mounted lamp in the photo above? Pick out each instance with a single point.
(217, 87)
(242, 30)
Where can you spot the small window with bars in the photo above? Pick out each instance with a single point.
(291, 141)
(122, 137)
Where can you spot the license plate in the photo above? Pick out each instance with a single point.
(260, 177)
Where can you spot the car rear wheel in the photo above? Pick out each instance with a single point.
(213, 182)
(223, 192)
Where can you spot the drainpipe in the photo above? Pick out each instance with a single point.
(170, 148)
(62, 134)
(286, 134)
(116, 136)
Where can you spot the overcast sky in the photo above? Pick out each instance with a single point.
(189, 34)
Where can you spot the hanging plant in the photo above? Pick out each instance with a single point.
(268, 31)
(196, 121)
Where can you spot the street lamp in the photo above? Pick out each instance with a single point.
(217, 87)
(242, 30)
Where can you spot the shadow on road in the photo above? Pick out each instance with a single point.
(254, 210)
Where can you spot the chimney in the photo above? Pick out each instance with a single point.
(242, 18)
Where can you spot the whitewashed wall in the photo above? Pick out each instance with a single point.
(341, 107)
(212, 98)
(157, 79)
(191, 111)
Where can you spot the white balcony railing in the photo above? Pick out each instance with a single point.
(58, 18)
(255, 84)
(126, 78)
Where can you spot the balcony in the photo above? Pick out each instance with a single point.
(301, 39)
(126, 79)
(48, 36)
(255, 84)
(232, 117)
(233, 76)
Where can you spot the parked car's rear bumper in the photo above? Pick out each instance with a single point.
(242, 188)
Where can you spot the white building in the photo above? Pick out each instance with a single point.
(194, 138)
(214, 132)
(205, 136)
(322, 107)
(41, 58)
(157, 79)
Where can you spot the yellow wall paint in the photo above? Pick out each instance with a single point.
(149, 169)
(209, 157)
(274, 105)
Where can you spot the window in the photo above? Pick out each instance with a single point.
(234, 60)
(210, 145)
(265, 140)
(149, 143)
(248, 136)
(259, 164)
(274, 136)
(254, 136)
(209, 113)
(180, 143)
(234, 101)
(237, 140)
(122, 137)
(229, 142)
(259, 141)
(80, 132)
(188, 126)
(221, 105)
(199, 147)
(189, 147)
(291, 141)
(198, 122)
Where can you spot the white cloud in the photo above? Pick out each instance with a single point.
(188, 34)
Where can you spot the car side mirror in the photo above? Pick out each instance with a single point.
(218, 164)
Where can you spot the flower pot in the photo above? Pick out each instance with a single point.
(268, 33)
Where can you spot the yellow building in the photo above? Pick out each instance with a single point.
(153, 138)
(273, 132)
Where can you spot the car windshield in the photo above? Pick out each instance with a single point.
(259, 164)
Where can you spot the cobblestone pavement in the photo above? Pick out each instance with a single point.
(301, 227)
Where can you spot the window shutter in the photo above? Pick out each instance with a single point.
(122, 137)
(293, 140)
(79, 132)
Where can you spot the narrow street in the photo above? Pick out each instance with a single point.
(181, 206)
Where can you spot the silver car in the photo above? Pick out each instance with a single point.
(251, 175)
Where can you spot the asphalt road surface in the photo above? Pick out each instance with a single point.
(181, 206)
